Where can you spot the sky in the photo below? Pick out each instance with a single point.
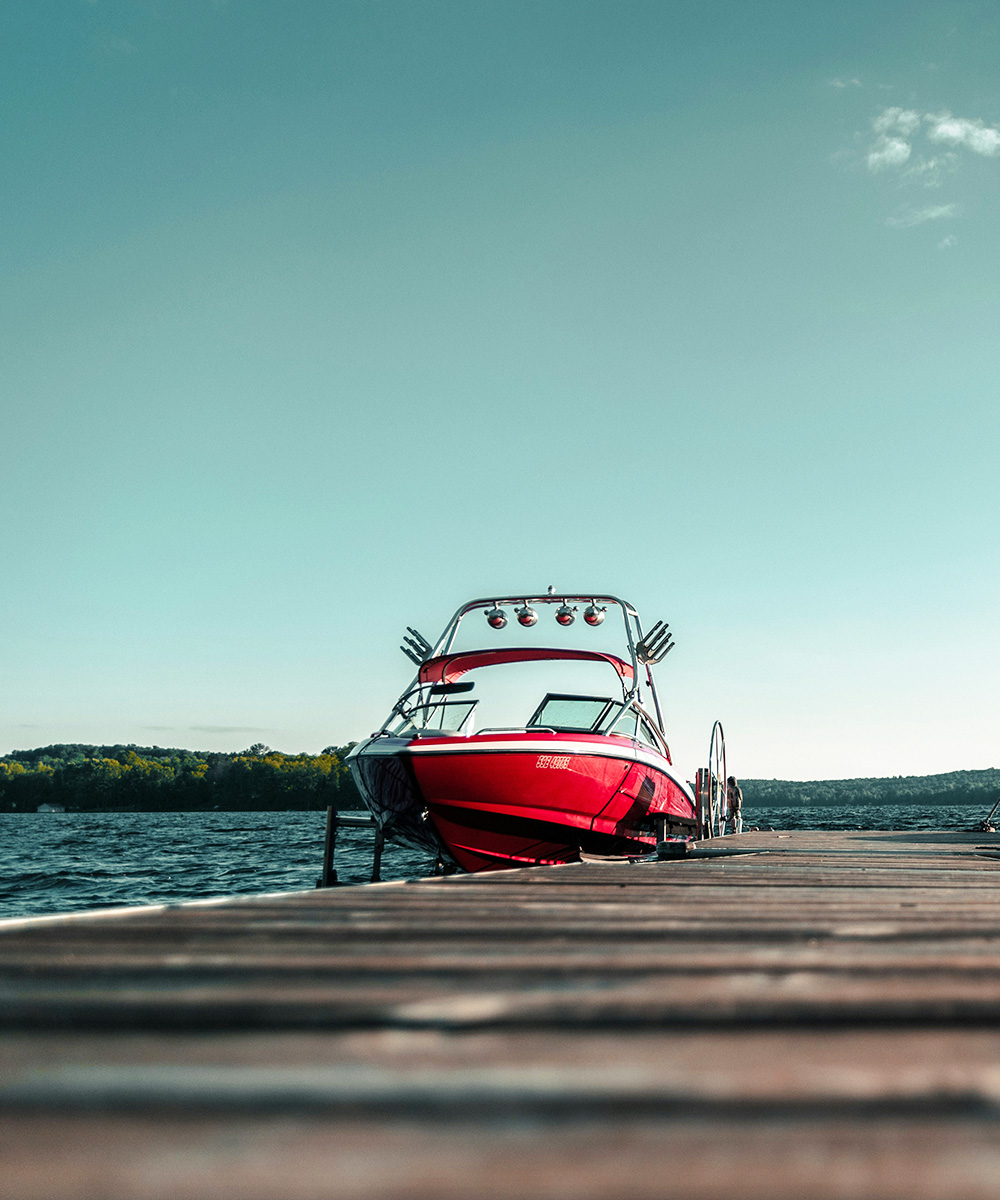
(319, 319)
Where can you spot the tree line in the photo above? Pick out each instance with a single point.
(149, 778)
(953, 788)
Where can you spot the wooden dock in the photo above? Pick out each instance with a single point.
(783, 1015)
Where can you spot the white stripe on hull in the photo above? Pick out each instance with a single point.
(601, 749)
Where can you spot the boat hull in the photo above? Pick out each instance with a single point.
(519, 799)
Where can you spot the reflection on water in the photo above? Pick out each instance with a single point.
(63, 862)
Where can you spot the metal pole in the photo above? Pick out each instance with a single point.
(329, 876)
(985, 826)
(701, 794)
(377, 855)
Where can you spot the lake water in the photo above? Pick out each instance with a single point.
(63, 862)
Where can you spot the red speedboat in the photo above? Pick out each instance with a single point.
(583, 774)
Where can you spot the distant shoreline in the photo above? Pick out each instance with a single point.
(117, 779)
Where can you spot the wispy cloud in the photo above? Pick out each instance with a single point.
(929, 171)
(897, 130)
(888, 152)
(975, 135)
(845, 83)
(947, 242)
(904, 121)
(923, 149)
(918, 216)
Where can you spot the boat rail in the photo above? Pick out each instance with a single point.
(514, 729)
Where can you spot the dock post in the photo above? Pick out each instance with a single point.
(329, 875)
(377, 855)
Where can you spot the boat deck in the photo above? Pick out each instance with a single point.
(782, 1015)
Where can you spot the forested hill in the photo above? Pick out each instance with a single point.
(153, 779)
(150, 778)
(957, 787)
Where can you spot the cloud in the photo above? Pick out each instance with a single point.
(975, 135)
(897, 120)
(896, 129)
(928, 171)
(947, 242)
(917, 216)
(920, 148)
(887, 152)
(843, 83)
(891, 148)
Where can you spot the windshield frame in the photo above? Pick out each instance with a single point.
(428, 701)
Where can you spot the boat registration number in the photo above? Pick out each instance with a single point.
(555, 762)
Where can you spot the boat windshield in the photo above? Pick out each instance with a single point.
(435, 716)
(593, 714)
(577, 713)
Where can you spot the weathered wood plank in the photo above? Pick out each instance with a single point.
(58, 1158)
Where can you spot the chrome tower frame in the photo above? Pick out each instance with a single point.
(631, 622)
